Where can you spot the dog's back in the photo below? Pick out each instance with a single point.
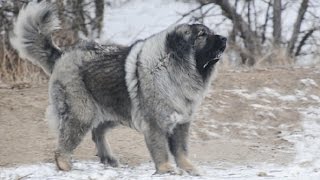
(100, 71)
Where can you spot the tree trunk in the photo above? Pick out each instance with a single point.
(99, 15)
(264, 26)
(61, 10)
(303, 41)
(79, 18)
(277, 23)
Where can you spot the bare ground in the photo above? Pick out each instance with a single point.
(237, 123)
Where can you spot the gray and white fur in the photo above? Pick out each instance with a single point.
(153, 86)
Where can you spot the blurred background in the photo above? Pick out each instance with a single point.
(260, 117)
(261, 32)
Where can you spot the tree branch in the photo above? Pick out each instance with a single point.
(297, 25)
(303, 41)
(264, 27)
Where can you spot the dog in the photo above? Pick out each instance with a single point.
(153, 85)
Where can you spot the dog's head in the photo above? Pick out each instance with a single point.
(199, 42)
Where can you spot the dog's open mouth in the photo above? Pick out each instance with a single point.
(215, 59)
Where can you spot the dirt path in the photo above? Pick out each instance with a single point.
(242, 120)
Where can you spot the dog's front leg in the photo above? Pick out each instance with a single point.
(178, 144)
(157, 144)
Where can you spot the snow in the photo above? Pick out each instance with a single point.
(243, 93)
(271, 93)
(308, 143)
(140, 19)
(314, 97)
(94, 170)
(309, 82)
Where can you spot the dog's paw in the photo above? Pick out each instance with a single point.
(193, 172)
(63, 162)
(167, 168)
(188, 167)
(113, 162)
(175, 172)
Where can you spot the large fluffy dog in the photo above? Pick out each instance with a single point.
(153, 85)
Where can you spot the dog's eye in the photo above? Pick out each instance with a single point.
(187, 32)
(202, 34)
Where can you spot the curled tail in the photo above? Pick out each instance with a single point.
(32, 35)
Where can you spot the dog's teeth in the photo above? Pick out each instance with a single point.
(206, 64)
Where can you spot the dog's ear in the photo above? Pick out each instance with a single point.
(177, 44)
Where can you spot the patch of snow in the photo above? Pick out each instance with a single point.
(307, 142)
(314, 97)
(273, 93)
(210, 133)
(265, 100)
(266, 114)
(301, 95)
(268, 92)
(243, 92)
(259, 106)
(309, 82)
(288, 98)
(308, 147)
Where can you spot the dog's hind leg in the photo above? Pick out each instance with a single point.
(102, 145)
(71, 133)
(74, 112)
(178, 144)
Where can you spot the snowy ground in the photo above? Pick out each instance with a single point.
(92, 170)
(305, 166)
(278, 122)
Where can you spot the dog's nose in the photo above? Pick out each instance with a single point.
(223, 39)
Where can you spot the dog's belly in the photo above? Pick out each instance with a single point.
(105, 80)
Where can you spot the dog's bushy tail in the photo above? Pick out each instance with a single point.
(32, 32)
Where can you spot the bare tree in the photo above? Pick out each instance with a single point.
(75, 17)
(254, 34)
(247, 34)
